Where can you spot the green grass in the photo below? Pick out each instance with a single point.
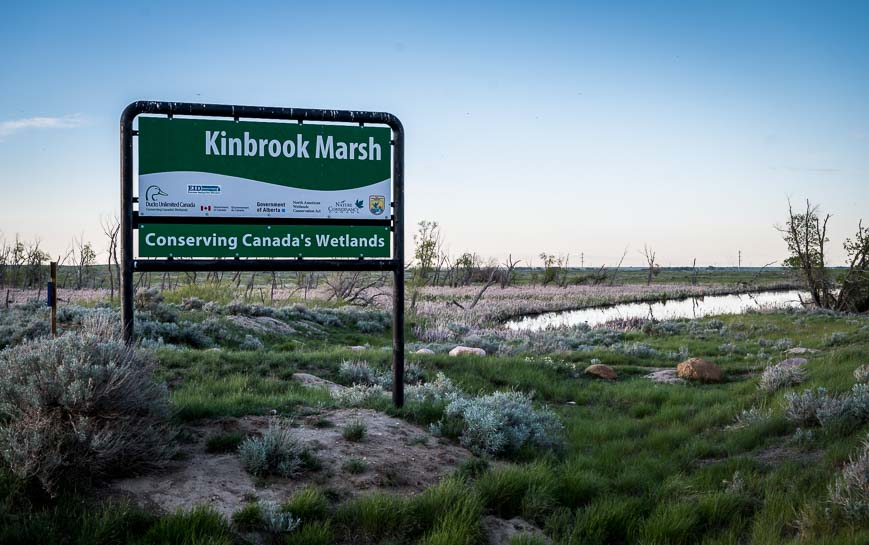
(644, 463)
(224, 442)
(355, 431)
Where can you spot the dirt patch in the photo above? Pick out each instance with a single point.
(503, 532)
(397, 457)
(775, 455)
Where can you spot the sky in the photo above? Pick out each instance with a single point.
(572, 128)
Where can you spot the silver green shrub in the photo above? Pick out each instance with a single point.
(750, 417)
(861, 374)
(358, 395)
(252, 343)
(439, 390)
(81, 406)
(849, 493)
(275, 452)
(503, 422)
(802, 408)
(817, 407)
(275, 520)
(778, 376)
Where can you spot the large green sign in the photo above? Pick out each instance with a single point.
(185, 240)
(223, 168)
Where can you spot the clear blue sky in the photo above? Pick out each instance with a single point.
(558, 127)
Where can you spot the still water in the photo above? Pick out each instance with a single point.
(694, 307)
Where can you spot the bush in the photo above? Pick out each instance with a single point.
(276, 452)
(201, 526)
(224, 442)
(779, 376)
(358, 395)
(251, 343)
(355, 466)
(503, 422)
(308, 504)
(81, 406)
(813, 408)
(849, 494)
(861, 374)
(355, 431)
(276, 520)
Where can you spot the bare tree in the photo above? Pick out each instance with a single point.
(355, 288)
(649, 254)
(509, 267)
(806, 236)
(619, 266)
(111, 228)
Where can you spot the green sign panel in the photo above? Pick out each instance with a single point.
(224, 168)
(286, 241)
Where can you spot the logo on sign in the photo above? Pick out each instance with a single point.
(376, 204)
(205, 208)
(203, 189)
(153, 192)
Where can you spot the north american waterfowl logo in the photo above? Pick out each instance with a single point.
(153, 192)
(376, 204)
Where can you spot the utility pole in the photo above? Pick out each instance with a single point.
(739, 266)
(582, 260)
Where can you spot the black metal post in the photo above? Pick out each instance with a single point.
(126, 288)
(398, 272)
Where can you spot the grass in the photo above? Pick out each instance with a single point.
(224, 442)
(644, 463)
(355, 431)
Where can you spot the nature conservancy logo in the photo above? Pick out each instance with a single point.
(346, 207)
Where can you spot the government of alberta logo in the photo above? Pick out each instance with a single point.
(153, 192)
(376, 204)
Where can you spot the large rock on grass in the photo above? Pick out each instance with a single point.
(428, 351)
(467, 351)
(793, 362)
(600, 370)
(699, 370)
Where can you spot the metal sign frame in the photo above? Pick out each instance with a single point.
(130, 218)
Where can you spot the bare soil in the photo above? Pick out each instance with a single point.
(400, 458)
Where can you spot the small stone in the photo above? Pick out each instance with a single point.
(424, 351)
(700, 370)
(467, 351)
(357, 348)
(601, 371)
(793, 362)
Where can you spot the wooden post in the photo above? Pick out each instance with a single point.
(53, 298)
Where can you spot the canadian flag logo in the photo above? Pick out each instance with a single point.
(205, 208)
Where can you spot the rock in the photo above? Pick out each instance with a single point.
(700, 370)
(467, 351)
(358, 348)
(311, 381)
(793, 362)
(601, 371)
(505, 532)
(665, 376)
(424, 351)
(799, 351)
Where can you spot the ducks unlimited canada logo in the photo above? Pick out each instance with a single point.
(153, 193)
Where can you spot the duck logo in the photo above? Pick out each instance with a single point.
(376, 204)
(153, 192)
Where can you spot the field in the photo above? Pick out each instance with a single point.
(587, 461)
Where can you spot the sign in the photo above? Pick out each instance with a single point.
(192, 240)
(257, 169)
